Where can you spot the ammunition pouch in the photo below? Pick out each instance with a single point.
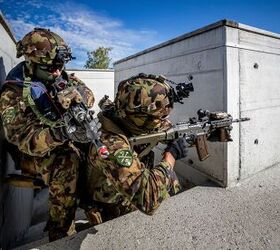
(67, 96)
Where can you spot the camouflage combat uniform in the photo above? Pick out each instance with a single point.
(43, 150)
(123, 182)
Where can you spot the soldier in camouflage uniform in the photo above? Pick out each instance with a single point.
(124, 182)
(32, 115)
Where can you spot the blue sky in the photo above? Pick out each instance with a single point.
(131, 26)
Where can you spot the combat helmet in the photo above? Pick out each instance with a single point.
(143, 101)
(43, 46)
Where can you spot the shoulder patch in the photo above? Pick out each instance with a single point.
(9, 115)
(124, 157)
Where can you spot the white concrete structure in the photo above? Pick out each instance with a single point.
(100, 81)
(7, 49)
(235, 68)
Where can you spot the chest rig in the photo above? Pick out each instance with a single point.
(41, 99)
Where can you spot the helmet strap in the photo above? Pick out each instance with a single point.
(30, 67)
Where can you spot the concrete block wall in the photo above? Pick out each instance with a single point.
(7, 49)
(259, 57)
(222, 59)
(101, 82)
(252, 80)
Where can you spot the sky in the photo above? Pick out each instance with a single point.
(131, 26)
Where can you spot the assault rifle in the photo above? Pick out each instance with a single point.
(211, 126)
(80, 124)
(79, 117)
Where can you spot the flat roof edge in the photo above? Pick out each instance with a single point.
(224, 22)
(7, 27)
(91, 70)
(182, 37)
(255, 30)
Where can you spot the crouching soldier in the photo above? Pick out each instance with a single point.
(123, 182)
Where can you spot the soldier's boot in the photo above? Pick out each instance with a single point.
(94, 216)
(56, 233)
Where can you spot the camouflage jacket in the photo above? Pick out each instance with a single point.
(123, 178)
(22, 126)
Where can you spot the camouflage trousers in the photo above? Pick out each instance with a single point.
(59, 171)
(102, 212)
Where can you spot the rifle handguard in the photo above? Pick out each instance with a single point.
(210, 126)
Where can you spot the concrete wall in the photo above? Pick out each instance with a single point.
(221, 59)
(259, 57)
(101, 82)
(253, 58)
(7, 49)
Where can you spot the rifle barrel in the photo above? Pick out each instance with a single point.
(244, 119)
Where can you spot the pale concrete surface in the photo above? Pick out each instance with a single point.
(244, 217)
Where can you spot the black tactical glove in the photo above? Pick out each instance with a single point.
(178, 148)
(60, 134)
(77, 135)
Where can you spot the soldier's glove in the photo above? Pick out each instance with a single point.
(178, 148)
(60, 134)
(68, 96)
(64, 134)
(105, 103)
(79, 134)
(75, 127)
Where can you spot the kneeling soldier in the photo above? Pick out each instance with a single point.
(124, 182)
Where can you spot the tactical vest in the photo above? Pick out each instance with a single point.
(35, 96)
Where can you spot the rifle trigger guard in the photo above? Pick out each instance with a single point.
(147, 149)
(191, 140)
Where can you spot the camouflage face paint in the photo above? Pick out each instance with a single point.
(44, 75)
